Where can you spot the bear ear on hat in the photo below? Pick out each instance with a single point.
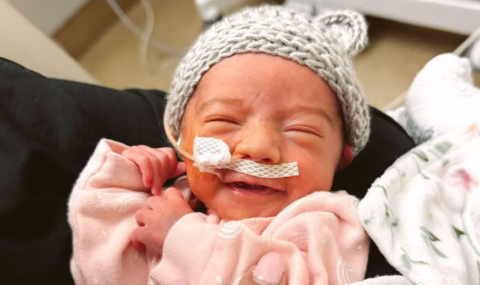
(348, 26)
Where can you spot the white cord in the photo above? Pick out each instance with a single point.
(458, 51)
(147, 32)
(468, 42)
(143, 34)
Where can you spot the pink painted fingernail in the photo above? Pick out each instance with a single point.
(179, 282)
(269, 269)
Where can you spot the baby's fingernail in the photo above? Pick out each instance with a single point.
(179, 282)
(269, 269)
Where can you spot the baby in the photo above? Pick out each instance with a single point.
(275, 88)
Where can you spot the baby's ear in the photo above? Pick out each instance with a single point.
(348, 26)
(346, 158)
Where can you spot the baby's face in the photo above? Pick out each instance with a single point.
(270, 110)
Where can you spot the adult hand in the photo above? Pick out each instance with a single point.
(268, 271)
(156, 165)
(157, 218)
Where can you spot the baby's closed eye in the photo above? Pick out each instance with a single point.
(221, 119)
(304, 129)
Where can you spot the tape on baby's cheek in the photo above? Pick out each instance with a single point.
(212, 154)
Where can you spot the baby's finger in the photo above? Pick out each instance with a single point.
(171, 167)
(154, 202)
(181, 169)
(172, 193)
(164, 162)
(136, 243)
(157, 179)
(211, 212)
(143, 161)
(157, 191)
(146, 239)
(141, 216)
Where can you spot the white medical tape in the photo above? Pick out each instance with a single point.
(211, 154)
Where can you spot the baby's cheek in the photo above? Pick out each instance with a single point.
(203, 185)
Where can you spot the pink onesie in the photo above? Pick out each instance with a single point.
(319, 237)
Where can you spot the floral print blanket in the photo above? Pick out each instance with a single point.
(424, 212)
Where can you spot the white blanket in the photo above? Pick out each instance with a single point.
(441, 98)
(423, 213)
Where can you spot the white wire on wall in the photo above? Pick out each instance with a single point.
(145, 35)
(147, 31)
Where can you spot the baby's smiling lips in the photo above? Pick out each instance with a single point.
(247, 184)
(243, 188)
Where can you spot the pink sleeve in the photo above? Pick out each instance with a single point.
(319, 238)
(101, 213)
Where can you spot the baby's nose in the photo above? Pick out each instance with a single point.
(261, 145)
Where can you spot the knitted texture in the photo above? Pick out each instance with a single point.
(324, 44)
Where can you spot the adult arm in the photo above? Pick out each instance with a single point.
(49, 129)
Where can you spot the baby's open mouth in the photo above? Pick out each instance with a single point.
(250, 188)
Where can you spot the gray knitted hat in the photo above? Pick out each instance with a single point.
(324, 44)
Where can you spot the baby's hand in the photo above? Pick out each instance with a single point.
(156, 165)
(157, 218)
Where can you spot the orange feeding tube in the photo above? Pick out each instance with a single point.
(197, 180)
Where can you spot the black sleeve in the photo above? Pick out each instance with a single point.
(48, 130)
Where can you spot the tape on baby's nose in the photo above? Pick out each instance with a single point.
(211, 154)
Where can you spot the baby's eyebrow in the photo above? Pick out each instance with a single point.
(201, 107)
(318, 111)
